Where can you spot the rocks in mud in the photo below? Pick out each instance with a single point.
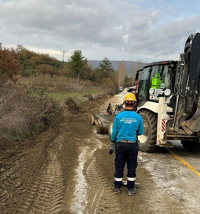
(2, 170)
(15, 200)
(18, 184)
(13, 176)
(2, 193)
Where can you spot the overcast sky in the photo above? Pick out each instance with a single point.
(129, 30)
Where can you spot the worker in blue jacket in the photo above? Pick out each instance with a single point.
(127, 125)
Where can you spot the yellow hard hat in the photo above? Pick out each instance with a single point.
(130, 97)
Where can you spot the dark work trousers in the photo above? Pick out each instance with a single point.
(125, 153)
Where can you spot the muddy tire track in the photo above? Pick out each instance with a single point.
(45, 194)
(22, 170)
(102, 198)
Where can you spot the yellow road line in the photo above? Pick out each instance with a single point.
(185, 163)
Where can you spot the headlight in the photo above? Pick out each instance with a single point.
(167, 92)
(151, 90)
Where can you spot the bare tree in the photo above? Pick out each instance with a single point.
(139, 64)
(134, 68)
(121, 73)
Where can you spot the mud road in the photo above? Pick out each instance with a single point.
(67, 169)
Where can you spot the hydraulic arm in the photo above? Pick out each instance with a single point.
(186, 86)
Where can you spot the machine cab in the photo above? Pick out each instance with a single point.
(153, 79)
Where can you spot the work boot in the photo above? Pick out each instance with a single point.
(116, 189)
(132, 191)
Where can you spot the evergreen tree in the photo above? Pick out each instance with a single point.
(76, 64)
(106, 69)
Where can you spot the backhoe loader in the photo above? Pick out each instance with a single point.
(168, 99)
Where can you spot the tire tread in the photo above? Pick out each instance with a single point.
(150, 145)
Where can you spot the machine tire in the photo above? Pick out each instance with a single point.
(92, 120)
(147, 141)
(191, 146)
(98, 127)
(110, 126)
(101, 126)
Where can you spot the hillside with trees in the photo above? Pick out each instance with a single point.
(130, 66)
(77, 67)
(33, 84)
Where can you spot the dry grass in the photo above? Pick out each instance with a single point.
(24, 113)
(47, 82)
(26, 108)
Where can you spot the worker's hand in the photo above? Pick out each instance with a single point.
(112, 143)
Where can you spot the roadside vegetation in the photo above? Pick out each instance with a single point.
(33, 85)
(26, 112)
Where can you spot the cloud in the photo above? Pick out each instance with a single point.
(113, 29)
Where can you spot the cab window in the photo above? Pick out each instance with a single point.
(160, 77)
(143, 84)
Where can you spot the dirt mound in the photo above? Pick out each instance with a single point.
(73, 105)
